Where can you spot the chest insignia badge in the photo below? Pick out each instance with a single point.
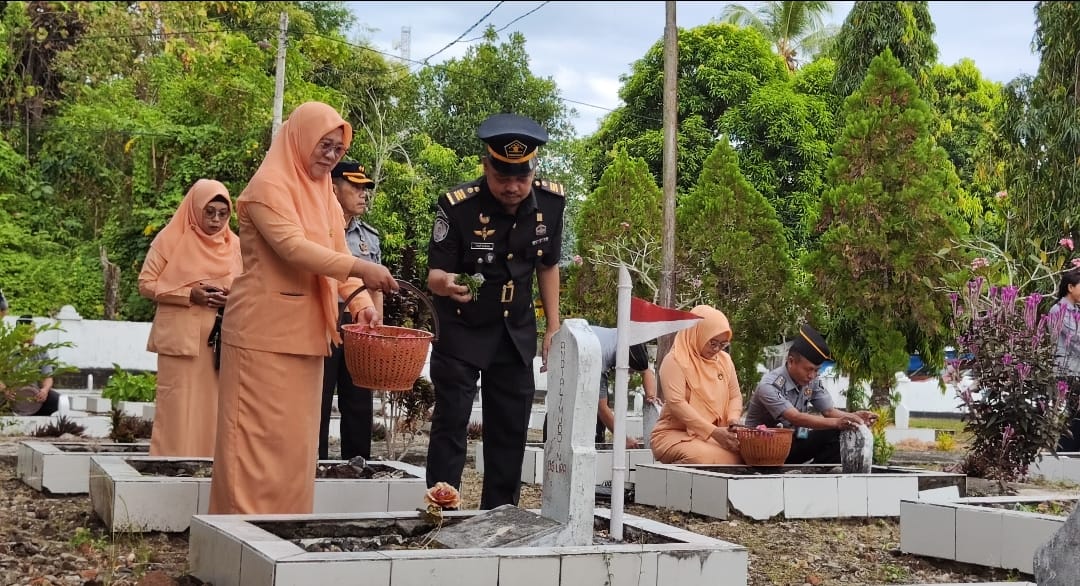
(484, 232)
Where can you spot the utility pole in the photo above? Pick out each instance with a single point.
(279, 78)
(671, 126)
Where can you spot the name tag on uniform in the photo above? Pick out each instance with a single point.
(540, 240)
(481, 246)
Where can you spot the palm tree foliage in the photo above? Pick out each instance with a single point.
(794, 28)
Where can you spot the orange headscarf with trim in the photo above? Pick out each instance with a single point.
(702, 374)
(284, 184)
(191, 254)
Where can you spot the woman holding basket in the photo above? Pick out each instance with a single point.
(282, 318)
(701, 396)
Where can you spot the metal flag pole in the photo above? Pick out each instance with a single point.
(622, 378)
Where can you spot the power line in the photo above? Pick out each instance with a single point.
(462, 35)
(507, 25)
(476, 77)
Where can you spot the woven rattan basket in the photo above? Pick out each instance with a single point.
(764, 447)
(388, 358)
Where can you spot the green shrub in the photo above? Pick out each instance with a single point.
(125, 386)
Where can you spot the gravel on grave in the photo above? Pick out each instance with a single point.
(52, 541)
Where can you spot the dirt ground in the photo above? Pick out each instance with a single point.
(51, 540)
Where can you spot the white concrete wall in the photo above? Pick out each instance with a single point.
(915, 395)
(97, 343)
(100, 344)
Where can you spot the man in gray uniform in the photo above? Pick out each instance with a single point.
(353, 188)
(785, 396)
(638, 362)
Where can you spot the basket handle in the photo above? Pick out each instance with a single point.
(410, 288)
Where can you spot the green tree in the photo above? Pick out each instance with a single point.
(456, 96)
(732, 249)
(792, 27)
(720, 67)
(889, 209)
(1042, 127)
(871, 27)
(617, 222)
(968, 109)
(783, 134)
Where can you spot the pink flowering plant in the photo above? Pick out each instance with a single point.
(1015, 408)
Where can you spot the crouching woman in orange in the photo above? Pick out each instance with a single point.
(701, 396)
(188, 271)
(282, 317)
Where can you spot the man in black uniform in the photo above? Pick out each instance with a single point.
(506, 226)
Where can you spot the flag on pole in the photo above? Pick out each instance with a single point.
(649, 321)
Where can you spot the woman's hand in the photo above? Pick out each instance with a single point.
(369, 315)
(375, 276)
(726, 438)
(208, 296)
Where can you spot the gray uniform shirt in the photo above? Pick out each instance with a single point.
(777, 393)
(363, 241)
(608, 340)
(1068, 343)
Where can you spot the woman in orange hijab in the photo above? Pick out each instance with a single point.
(188, 271)
(701, 396)
(282, 317)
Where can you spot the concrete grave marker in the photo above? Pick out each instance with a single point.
(1056, 562)
(569, 453)
(856, 450)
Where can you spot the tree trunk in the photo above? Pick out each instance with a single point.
(111, 278)
(881, 394)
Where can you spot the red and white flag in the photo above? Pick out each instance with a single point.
(649, 321)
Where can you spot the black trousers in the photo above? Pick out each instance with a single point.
(507, 393)
(1070, 442)
(822, 445)
(354, 403)
(50, 405)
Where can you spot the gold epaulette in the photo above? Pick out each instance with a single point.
(462, 193)
(550, 187)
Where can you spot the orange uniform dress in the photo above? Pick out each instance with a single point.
(279, 322)
(182, 255)
(699, 395)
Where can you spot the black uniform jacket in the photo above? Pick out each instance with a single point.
(474, 234)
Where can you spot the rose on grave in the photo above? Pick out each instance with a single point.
(443, 496)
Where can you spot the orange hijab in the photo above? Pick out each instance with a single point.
(191, 254)
(283, 184)
(702, 374)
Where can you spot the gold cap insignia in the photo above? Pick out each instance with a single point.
(515, 150)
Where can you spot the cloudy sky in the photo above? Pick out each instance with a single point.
(586, 46)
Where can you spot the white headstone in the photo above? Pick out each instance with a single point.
(650, 414)
(902, 417)
(570, 454)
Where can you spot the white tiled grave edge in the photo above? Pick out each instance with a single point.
(64, 467)
(127, 500)
(234, 551)
(532, 467)
(96, 426)
(966, 530)
(715, 491)
(1065, 467)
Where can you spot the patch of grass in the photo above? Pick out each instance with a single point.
(936, 423)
